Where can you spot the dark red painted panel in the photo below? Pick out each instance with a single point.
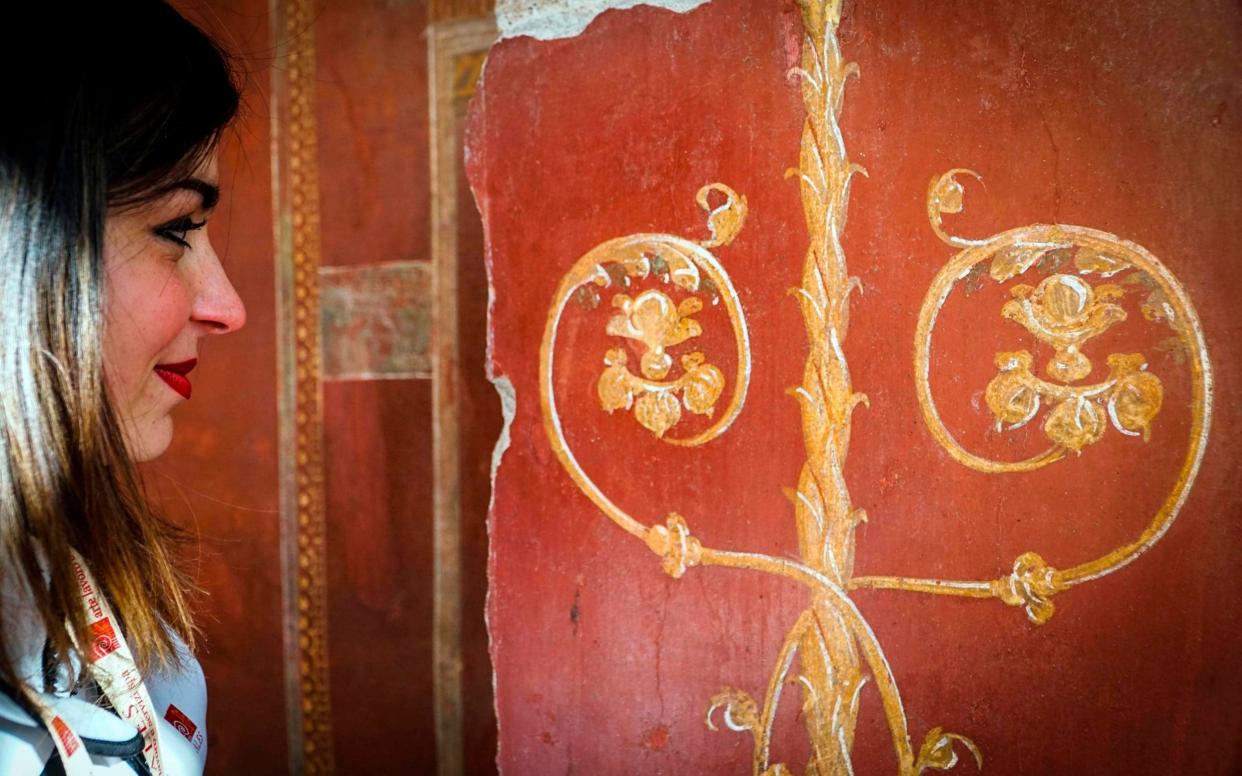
(372, 113)
(1109, 115)
(377, 440)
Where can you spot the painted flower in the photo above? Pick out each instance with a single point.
(702, 384)
(1075, 423)
(1011, 395)
(1137, 397)
(614, 384)
(657, 411)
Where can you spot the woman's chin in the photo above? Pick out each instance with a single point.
(150, 440)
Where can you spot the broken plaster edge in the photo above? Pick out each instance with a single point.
(552, 19)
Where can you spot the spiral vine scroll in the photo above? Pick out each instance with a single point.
(676, 262)
(1063, 311)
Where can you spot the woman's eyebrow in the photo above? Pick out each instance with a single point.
(209, 192)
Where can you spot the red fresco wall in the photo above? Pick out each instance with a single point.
(371, 109)
(221, 478)
(1118, 116)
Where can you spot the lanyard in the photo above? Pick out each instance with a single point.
(112, 666)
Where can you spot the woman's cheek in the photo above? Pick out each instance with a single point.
(170, 314)
(157, 304)
(147, 307)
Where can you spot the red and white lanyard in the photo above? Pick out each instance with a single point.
(112, 666)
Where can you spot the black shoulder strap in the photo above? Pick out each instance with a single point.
(129, 751)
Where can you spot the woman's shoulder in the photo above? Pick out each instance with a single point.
(178, 695)
(180, 699)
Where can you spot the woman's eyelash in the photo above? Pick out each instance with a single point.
(176, 231)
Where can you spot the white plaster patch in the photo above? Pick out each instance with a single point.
(550, 19)
(508, 409)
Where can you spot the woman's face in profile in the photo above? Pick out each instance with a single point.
(164, 290)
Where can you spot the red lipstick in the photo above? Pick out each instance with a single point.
(175, 375)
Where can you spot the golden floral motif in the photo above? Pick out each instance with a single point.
(1065, 311)
(654, 321)
(1131, 398)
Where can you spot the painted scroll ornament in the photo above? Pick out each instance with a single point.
(1063, 310)
(830, 653)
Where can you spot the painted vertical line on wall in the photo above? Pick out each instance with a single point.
(449, 41)
(295, 187)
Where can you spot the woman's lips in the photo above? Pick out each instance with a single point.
(175, 375)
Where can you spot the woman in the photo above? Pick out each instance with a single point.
(108, 285)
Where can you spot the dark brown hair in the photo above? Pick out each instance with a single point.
(106, 104)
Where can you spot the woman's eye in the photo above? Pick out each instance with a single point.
(177, 231)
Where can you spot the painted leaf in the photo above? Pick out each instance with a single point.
(1088, 260)
(740, 712)
(1157, 308)
(1175, 348)
(617, 274)
(724, 221)
(1013, 260)
(703, 386)
(614, 384)
(949, 194)
(1074, 424)
(586, 297)
(973, 281)
(1135, 403)
(1010, 394)
(689, 306)
(1053, 260)
(657, 411)
(938, 752)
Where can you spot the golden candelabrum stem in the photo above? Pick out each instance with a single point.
(829, 664)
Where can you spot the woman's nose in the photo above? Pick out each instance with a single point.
(217, 304)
